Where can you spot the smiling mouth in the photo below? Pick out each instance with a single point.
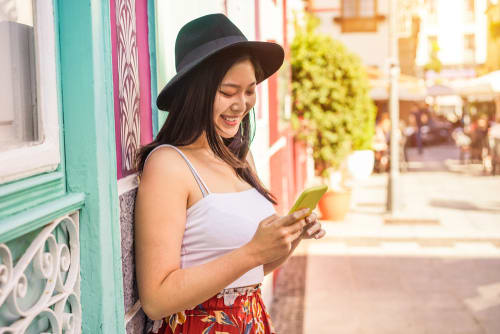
(230, 120)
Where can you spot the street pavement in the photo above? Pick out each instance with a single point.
(432, 267)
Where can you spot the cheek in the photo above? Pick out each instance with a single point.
(253, 100)
(219, 106)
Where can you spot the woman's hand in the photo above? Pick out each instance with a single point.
(313, 228)
(274, 236)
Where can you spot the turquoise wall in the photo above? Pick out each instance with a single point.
(87, 102)
(152, 62)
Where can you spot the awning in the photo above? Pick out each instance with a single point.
(484, 87)
(440, 90)
(410, 88)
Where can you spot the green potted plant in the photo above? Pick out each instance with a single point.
(332, 110)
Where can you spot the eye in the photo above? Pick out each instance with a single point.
(225, 94)
(250, 92)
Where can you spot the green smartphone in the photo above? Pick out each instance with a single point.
(309, 199)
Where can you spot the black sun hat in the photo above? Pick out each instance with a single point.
(207, 36)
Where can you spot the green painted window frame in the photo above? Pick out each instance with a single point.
(29, 203)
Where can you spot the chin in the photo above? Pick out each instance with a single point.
(226, 135)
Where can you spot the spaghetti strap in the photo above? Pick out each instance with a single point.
(197, 177)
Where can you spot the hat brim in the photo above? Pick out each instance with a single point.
(270, 56)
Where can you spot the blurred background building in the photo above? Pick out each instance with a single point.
(363, 26)
(456, 30)
(493, 26)
(448, 52)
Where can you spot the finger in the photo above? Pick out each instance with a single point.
(292, 218)
(270, 219)
(296, 227)
(313, 229)
(295, 235)
(320, 234)
(311, 218)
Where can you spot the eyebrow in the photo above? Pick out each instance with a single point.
(237, 86)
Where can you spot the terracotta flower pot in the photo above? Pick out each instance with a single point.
(334, 205)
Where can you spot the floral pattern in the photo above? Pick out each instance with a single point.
(243, 312)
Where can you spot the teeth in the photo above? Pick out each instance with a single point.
(230, 119)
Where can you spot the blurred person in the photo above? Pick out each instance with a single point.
(494, 141)
(380, 142)
(462, 141)
(416, 114)
(403, 145)
(479, 138)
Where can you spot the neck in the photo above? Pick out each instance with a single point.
(200, 143)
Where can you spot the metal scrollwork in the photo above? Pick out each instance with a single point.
(40, 291)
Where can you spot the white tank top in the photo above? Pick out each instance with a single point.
(221, 222)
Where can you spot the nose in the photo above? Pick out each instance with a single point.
(240, 105)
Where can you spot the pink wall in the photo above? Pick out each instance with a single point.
(144, 84)
(141, 12)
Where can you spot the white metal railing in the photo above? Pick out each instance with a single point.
(41, 291)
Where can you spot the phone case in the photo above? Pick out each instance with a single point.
(309, 198)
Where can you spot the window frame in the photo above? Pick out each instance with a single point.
(43, 155)
(469, 41)
(359, 23)
(469, 13)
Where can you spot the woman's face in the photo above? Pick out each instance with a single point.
(234, 98)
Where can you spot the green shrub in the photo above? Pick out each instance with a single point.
(332, 109)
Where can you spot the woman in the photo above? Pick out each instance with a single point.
(206, 231)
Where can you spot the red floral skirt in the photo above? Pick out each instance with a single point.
(232, 311)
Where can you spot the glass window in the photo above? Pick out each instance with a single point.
(470, 43)
(432, 11)
(358, 8)
(349, 8)
(469, 48)
(366, 8)
(469, 5)
(469, 11)
(29, 118)
(18, 114)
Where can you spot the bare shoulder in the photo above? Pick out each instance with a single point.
(164, 162)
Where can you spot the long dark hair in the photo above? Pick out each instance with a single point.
(191, 114)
